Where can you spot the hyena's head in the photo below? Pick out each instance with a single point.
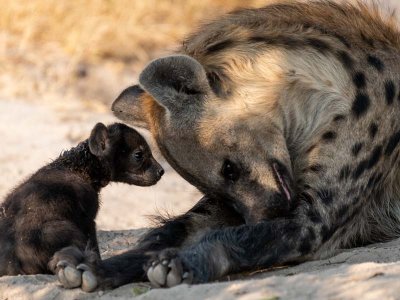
(212, 141)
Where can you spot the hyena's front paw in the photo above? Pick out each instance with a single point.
(75, 268)
(166, 269)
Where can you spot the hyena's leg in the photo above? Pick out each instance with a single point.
(246, 247)
(208, 214)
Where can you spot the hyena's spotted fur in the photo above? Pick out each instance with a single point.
(314, 85)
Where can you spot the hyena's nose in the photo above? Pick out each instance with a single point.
(161, 172)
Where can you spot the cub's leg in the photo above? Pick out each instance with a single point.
(35, 245)
(208, 214)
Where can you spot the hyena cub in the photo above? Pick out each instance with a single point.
(56, 207)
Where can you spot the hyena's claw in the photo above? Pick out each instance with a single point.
(157, 274)
(168, 272)
(72, 277)
(68, 276)
(89, 281)
(74, 268)
(175, 275)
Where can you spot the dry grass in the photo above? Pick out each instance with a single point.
(108, 29)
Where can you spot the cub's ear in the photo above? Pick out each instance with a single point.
(128, 107)
(179, 83)
(99, 142)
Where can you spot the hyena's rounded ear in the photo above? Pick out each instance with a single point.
(99, 142)
(128, 107)
(178, 83)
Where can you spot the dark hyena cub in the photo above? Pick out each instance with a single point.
(57, 205)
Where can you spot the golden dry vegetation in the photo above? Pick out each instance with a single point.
(91, 49)
(104, 29)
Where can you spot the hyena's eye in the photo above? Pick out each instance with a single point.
(230, 170)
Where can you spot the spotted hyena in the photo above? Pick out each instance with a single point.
(287, 119)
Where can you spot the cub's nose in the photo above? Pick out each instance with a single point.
(161, 172)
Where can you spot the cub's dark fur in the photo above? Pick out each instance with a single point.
(57, 205)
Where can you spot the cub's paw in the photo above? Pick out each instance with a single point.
(75, 268)
(166, 269)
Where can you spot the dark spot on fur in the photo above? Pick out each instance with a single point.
(325, 31)
(286, 41)
(373, 129)
(359, 80)
(356, 149)
(314, 215)
(367, 40)
(344, 172)
(346, 59)
(311, 149)
(318, 44)
(392, 144)
(362, 166)
(368, 163)
(306, 242)
(220, 46)
(378, 178)
(338, 118)
(342, 39)
(304, 196)
(396, 157)
(326, 196)
(375, 156)
(289, 42)
(315, 168)
(329, 136)
(371, 181)
(342, 212)
(360, 104)
(375, 62)
(326, 233)
(390, 91)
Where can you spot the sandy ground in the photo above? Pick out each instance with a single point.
(364, 273)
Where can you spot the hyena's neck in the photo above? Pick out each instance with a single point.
(317, 91)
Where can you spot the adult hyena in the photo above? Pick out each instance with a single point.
(287, 118)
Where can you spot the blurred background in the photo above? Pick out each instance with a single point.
(91, 49)
(63, 62)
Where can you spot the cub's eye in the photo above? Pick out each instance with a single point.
(138, 155)
(230, 171)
